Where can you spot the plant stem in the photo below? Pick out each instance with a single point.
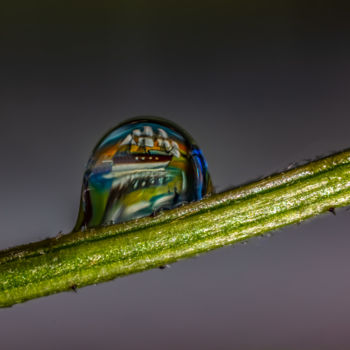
(81, 258)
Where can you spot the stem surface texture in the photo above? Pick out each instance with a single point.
(78, 259)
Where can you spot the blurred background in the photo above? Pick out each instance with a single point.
(259, 85)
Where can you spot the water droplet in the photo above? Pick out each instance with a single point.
(140, 167)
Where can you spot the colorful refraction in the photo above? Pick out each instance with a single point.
(138, 168)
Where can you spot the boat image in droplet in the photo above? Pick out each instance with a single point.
(140, 167)
(144, 150)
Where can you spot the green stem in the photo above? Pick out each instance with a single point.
(82, 258)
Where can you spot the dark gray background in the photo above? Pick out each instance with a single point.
(258, 84)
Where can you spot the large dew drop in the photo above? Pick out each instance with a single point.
(138, 168)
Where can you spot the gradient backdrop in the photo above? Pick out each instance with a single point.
(259, 85)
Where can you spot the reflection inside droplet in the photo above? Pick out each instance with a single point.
(138, 168)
